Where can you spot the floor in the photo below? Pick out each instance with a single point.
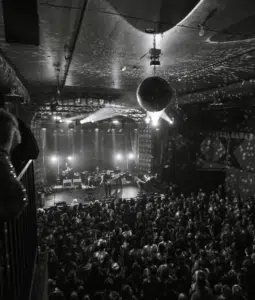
(69, 195)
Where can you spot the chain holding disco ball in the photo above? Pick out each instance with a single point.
(154, 93)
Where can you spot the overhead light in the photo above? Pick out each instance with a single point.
(115, 122)
(131, 156)
(96, 129)
(68, 121)
(201, 30)
(70, 158)
(147, 120)
(123, 69)
(155, 116)
(44, 129)
(119, 156)
(54, 158)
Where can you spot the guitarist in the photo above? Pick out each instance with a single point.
(107, 182)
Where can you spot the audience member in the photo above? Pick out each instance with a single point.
(13, 195)
(162, 248)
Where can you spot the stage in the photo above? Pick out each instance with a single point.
(69, 195)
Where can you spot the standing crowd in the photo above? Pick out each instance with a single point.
(165, 248)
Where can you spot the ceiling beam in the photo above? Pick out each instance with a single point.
(10, 79)
(71, 47)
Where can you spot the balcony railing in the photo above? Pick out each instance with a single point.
(18, 248)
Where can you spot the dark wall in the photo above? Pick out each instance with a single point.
(213, 147)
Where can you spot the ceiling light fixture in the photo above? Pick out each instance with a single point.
(201, 30)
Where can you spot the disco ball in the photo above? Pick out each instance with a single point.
(154, 94)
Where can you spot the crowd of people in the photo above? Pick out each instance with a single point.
(153, 247)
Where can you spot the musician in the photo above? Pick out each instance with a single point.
(91, 179)
(107, 183)
(117, 173)
(140, 181)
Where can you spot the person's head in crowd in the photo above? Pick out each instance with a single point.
(74, 296)
(182, 297)
(200, 280)
(226, 292)
(126, 292)
(114, 296)
(10, 134)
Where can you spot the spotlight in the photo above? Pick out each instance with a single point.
(119, 156)
(123, 69)
(96, 129)
(54, 158)
(43, 129)
(131, 156)
(70, 158)
(115, 122)
(155, 122)
(155, 116)
(147, 120)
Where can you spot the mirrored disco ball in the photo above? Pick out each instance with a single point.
(154, 94)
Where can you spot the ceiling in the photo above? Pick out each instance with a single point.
(101, 47)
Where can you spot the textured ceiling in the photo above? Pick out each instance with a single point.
(112, 37)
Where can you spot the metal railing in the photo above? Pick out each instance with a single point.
(18, 245)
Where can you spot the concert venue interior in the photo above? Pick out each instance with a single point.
(127, 149)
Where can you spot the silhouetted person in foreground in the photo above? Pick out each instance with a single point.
(13, 196)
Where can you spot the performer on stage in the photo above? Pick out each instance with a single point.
(107, 182)
(140, 181)
(118, 179)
